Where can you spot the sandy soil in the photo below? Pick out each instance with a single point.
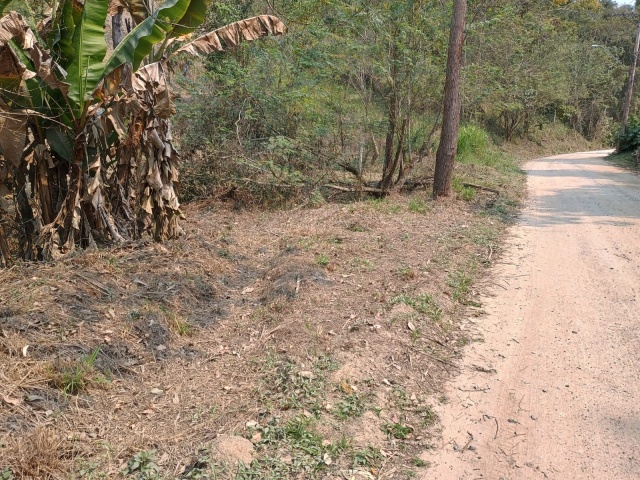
(554, 389)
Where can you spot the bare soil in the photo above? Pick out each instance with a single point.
(319, 335)
(552, 390)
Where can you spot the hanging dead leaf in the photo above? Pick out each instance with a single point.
(233, 34)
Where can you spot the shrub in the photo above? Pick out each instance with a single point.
(472, 140)
(629, 140)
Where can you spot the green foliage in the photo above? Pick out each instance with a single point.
(322, 260)
(73, 377)
(629, 140)
(464, 192)
(398, 430)
(460, 281)
(351, 405)
(6, 474)
(142, 466)
(368, 457)
(472, 140)
(423, 303)
(418, 206)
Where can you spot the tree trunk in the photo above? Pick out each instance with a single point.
(117, 32)
(389, 167)
(632, 75)
(451, 117)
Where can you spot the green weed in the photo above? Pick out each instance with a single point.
(460, 282)
(418, 206)
(406, 273)
(472, 140)
(368, 457)
(351, 405)
(322, 260)
(464, 192)
(6, 474)
(75, 376)
(142, 466)
(423, 303)
(398, 431)
(417, 462)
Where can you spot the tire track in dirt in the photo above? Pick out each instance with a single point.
(562, 335)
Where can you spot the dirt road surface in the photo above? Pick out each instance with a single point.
(554, 390)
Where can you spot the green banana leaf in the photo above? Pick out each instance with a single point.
(192, 19)
(4, 4)
(60, 142)
(90, 48)
(60, 38)
(154, 29)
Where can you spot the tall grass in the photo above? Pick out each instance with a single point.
(472, 140)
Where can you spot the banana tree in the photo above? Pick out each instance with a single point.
(85, 136)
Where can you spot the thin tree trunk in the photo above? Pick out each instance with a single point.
(117, 32)
(451, 117)
(389, 167)
(632, 75)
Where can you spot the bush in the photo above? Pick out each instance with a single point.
(472, 140)
(629, 141)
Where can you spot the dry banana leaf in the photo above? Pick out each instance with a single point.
(13, 135)
(13, 27)
(137, 8)
(233, 34)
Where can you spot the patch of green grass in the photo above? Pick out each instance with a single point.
(417, 462)
(418, 206)
(142, 466)
(356, 227)
(75, 376)
(398, 430)
(326, 363)
(350, 406)
(306, 447)
(460, 281)
(625, 160)
(368, 457)
(362, 264)
(472, 140)
(462, 191)
(383, 205)
(322, 260)
(6, 474)
(406, 273)
(423, 303)
(292, 388)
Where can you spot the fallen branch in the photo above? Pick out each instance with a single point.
(357, 189)
(480, 187)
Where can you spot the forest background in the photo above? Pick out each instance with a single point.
(355, 82)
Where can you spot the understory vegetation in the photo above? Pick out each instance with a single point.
(355, 89)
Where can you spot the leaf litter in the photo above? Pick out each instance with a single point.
(326, 369)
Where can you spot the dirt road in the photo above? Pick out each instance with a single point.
(554, 389)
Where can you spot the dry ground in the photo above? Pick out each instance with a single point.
(317, 335)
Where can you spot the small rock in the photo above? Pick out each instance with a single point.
(157, 391)
(306, 374)
(533, 417)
